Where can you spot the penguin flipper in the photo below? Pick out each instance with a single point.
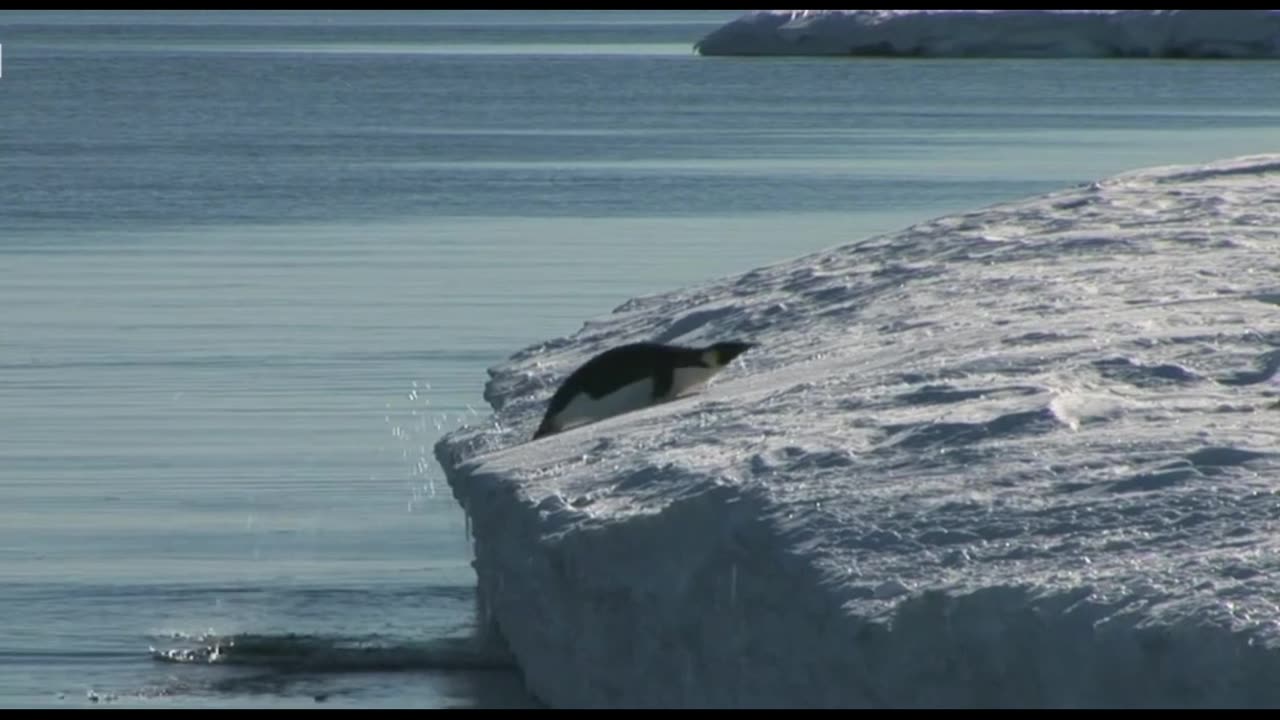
(546, 428)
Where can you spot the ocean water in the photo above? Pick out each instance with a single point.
(253, 264)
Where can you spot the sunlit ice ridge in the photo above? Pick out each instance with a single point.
(1193, 34)
(1027, 455)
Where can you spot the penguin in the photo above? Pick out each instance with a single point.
(633, 376)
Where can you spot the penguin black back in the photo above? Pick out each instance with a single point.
(631, 366)
(622, 366)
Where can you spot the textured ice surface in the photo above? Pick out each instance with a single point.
(1001, 33)
(1028, 455)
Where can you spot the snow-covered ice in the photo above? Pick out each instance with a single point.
(1001, 33)
(1023, 456)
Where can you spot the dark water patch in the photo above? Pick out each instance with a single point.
(227, 362)
(28, 657)
(485, 689)
(326, 653)
(168, 592)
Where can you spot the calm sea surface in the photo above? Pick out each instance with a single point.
(252, 265)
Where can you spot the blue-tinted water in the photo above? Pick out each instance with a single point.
(251, 265)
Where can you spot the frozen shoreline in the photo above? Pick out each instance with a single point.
(1196, 34)
(1019, 456)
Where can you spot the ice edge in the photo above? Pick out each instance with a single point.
(745, 608)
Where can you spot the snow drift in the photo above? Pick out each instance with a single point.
(1001, 33)
(1023, 456)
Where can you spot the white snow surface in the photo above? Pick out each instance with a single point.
(1001, 33)
(1023, 456)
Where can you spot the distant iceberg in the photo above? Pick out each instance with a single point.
(1002, 33)
(1022, 456)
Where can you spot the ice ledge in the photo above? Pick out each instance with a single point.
(1025, 456)
(1195, 34)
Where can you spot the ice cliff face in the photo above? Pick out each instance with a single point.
(1002, 33)
(1024, 456)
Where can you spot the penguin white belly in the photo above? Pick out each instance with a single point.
(585, 409)
(688, 380)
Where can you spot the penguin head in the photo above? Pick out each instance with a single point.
(723, 353)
